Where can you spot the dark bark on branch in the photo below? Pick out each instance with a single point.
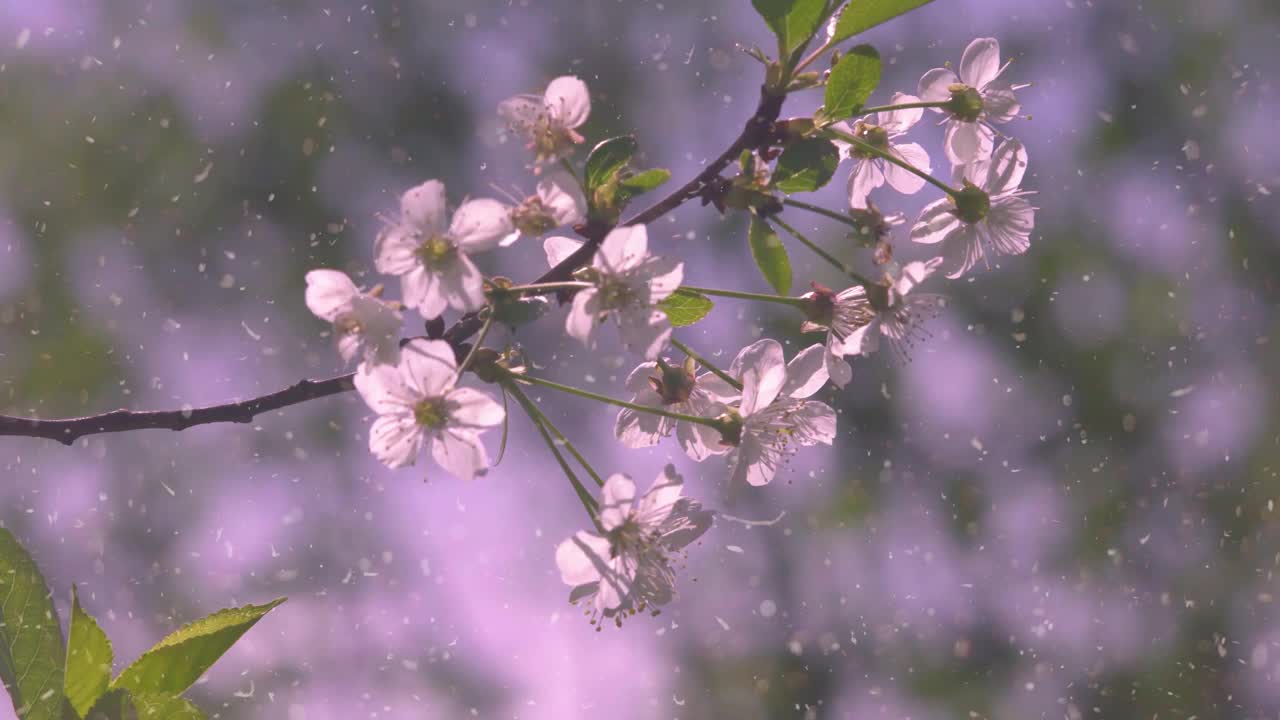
(756, 133)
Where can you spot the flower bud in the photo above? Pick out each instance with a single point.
(965, 102)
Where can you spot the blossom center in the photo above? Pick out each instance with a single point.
(615, 294)
(435, 250)
(550, 140)
(431, 413)
(972, 203)
(965, 103)
(873, 135)
(532, 217)
(675, 384)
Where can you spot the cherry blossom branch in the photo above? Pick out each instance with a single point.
(755, 133)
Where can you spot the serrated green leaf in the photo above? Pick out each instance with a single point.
(851, 82)
(606, 159)
(806, 165)
(88, 668)
(120, 704)
(770, 255)
(648, 180)
(685, 307)
(31, 650)
(863, 15)
(177, 661)
(792, 21)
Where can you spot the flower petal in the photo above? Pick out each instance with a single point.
(763, 371)
(560, 193)
(395, 439)
(896, 122)
(461, 453)
(1009, 224)
(806, 373)
(980, 63)
(864, 341)
(815, 422)
(462, 284)
(1000, 103)
(866, 176)
(422, 291)
(661, 276)
(383, 389)
(395, 250)
(901, 179)
(962, 250)
(644, 330)
(935, 86)
(558, 248)
(581, 321)
(623, 249)
(1008, 164)
(521, 112)
(582, 558)
(428, 367)
(965, 142)
(914, 273)
(936, 222)
(480, 225)
(472, 408)
(838, 368)
(423, 207)
(616, 497)
(658, 502)
(329, 293)
(568, 101)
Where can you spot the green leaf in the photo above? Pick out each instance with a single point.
(861, 15)
(685, 307)
(88, 669)
(852, 81)
(606, 159)
(31, 650)
(647, 180)
(792, 21)
(806, 165)
(770, 255)
(120, 704)
(177, 661)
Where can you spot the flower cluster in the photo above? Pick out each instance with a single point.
(758, 412)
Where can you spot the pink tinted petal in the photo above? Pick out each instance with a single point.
(581, 321)
(428, 367)
(962, 251)
(1009, 224)
(806, 373)
(901, 179)
(1008, 164)
(838, 368)
(980, 63)
(816, 421)
(329, 293)
(470, 407)
(480, 225)
(752, 463)
(936, 222)
(1000, 103)
(639, 429)
(460, 453)
(558, 248)
(383, 389)
(658, 502)
(763, 371)
(661, 275)
(395, 440)
(561, 195)
(936, 84)
(864, 341)
(394, 250)
(699, 442)
(348, 347)
(866, 176)
(966, 142)
(896, 122)
(521, 112)
(462, 284)
(582, 558)
(423, 207)
(623, 249)
(644, 330)
(616, 497)
(716, 389)
(568, 101)
(914, 273)
(422, 290)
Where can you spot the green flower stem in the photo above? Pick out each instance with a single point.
(868, 147)
(833, 260)
(471, 354)
(536, 415)
(706, 364)
(904, 106)
(818, 210)
(709, 422)
(780, 299)
(543, 288)
(817, 53)
(545, 420)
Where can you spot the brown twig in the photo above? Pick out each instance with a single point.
(756, 133)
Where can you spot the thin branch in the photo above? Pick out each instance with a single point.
(755, 133)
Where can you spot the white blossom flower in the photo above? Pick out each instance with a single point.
(418, 403)
(630, 568)
(557, 202)
(549, 123)
(840, 315)
(775, 417)
(990, 215)
(975, 97)
(871, 171)
(628, 283)
(894, 312)
(432, 257)
(359, 319)
(679, 389)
